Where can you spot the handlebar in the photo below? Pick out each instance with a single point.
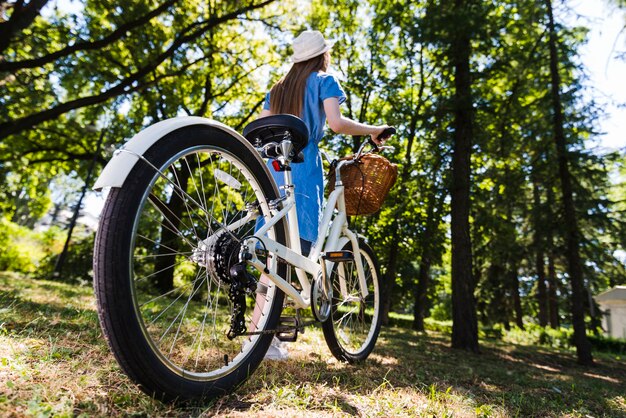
(387, 133)
(376, 148)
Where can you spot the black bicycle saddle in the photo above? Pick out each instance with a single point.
(273, 129)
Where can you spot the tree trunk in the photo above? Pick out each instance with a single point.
(464, 321)
(572, 233)
(517, 301)
(421, 290)
(389, 278)
(435, 203)
(553, 301)
(542, 296)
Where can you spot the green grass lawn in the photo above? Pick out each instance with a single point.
(54, 362)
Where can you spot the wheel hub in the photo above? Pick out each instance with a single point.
(218, 253)
(321, 298)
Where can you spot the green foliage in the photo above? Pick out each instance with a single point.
(77, 267)
(533, 334)
(36, 253)
(608, 344)
(22, 249)
(121, 68)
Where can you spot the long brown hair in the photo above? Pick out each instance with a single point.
(287, 95)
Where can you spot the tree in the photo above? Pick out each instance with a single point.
(171, 63)
(464, 321)
(128, 77)
(575, 269)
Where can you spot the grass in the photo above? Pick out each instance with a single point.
(54, 362)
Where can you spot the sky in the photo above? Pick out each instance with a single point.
(607, 74)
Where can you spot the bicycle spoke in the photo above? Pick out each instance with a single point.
(160, 271)
(174, 229)
(175, 319)
(140, 257)
(184, 312)
(163, 295)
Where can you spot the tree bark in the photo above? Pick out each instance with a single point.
(553, 301)
(421, 292)
(464, 320)
(542, 295)
(517, 301)
(389, 278)
(572, 232)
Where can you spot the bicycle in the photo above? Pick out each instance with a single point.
(193, 253)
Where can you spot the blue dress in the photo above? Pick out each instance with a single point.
(308, 177)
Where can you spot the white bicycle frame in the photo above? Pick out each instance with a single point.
(333, 229)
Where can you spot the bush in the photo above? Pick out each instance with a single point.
(445, 327)
(22, 248)
(534, 334)
(608, 344)
(495, 332)
(77, 266)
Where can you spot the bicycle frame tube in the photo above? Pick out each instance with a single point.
(339, 233)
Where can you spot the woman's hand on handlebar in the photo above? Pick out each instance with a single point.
(382, 134)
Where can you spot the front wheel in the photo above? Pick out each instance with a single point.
(354, 323)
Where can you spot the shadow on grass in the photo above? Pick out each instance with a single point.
(24, 317)
(515, 379)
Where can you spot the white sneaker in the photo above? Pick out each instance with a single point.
(276, 351)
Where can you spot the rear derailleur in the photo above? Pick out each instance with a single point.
(242, 284)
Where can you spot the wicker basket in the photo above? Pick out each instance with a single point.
(366, 182)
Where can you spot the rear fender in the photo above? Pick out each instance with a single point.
(124, 159)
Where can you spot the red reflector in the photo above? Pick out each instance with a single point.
(276, 165)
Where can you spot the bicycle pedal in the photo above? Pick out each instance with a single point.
(287, 329)
(337, 256)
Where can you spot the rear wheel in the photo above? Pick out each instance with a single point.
(164, 248)
(352, 329)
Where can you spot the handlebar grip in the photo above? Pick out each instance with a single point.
(383, 135)
(387, 133)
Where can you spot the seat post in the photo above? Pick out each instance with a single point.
(292, 215)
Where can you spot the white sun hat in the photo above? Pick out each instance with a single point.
(310, 44)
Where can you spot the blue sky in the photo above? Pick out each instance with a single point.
(607, 73)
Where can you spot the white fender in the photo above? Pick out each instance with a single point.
(124, 159)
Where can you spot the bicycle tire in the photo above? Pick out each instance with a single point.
(198, 360)
(354, 323)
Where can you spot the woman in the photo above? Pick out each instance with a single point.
(313, 95)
